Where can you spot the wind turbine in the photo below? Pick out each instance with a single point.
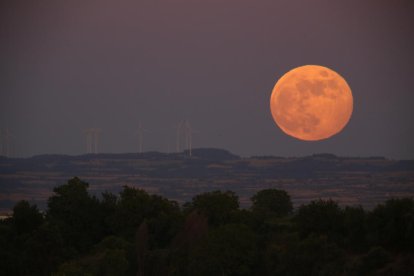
(184, 136)
(1, 143)
(5, 143)
(189, 137)
(88, 134)
(92, 140)
(97, 133)
(140, 132)
(179, 130)
(89, 140)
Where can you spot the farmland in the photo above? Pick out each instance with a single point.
(347, 180)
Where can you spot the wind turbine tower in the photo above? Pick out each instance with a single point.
(184, 137)
(1, 143)
(188, 137)
(96, 137)
(88, 134)
(6, 143)
(92, 140)
(140, 133)
(178, 136)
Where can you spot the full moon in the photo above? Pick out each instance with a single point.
(311, 103)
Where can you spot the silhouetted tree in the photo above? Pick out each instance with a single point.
(135, 233)
(392, 224)
(26, 217)
(217, 206)
(355, 228)
(271, 203)
(43, 251)
(369, 263)
(108, 257)
(228, 250)
(108, 207)
(77, 214)
(141, 240)
(314, 255)
(193, 231)
(321, 217)
(130, 210)
(164, 219)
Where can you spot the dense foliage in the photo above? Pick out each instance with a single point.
(135, 233)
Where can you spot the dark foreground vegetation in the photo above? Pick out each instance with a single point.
(135, 233)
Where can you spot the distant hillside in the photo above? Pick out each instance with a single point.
(213, 154)
(349, 180)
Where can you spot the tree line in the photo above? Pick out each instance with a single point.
(136, 233)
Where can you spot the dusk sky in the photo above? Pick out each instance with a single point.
(70, 65)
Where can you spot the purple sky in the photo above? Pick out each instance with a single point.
(70, 65)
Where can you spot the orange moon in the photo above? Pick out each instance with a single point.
(311, 103)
